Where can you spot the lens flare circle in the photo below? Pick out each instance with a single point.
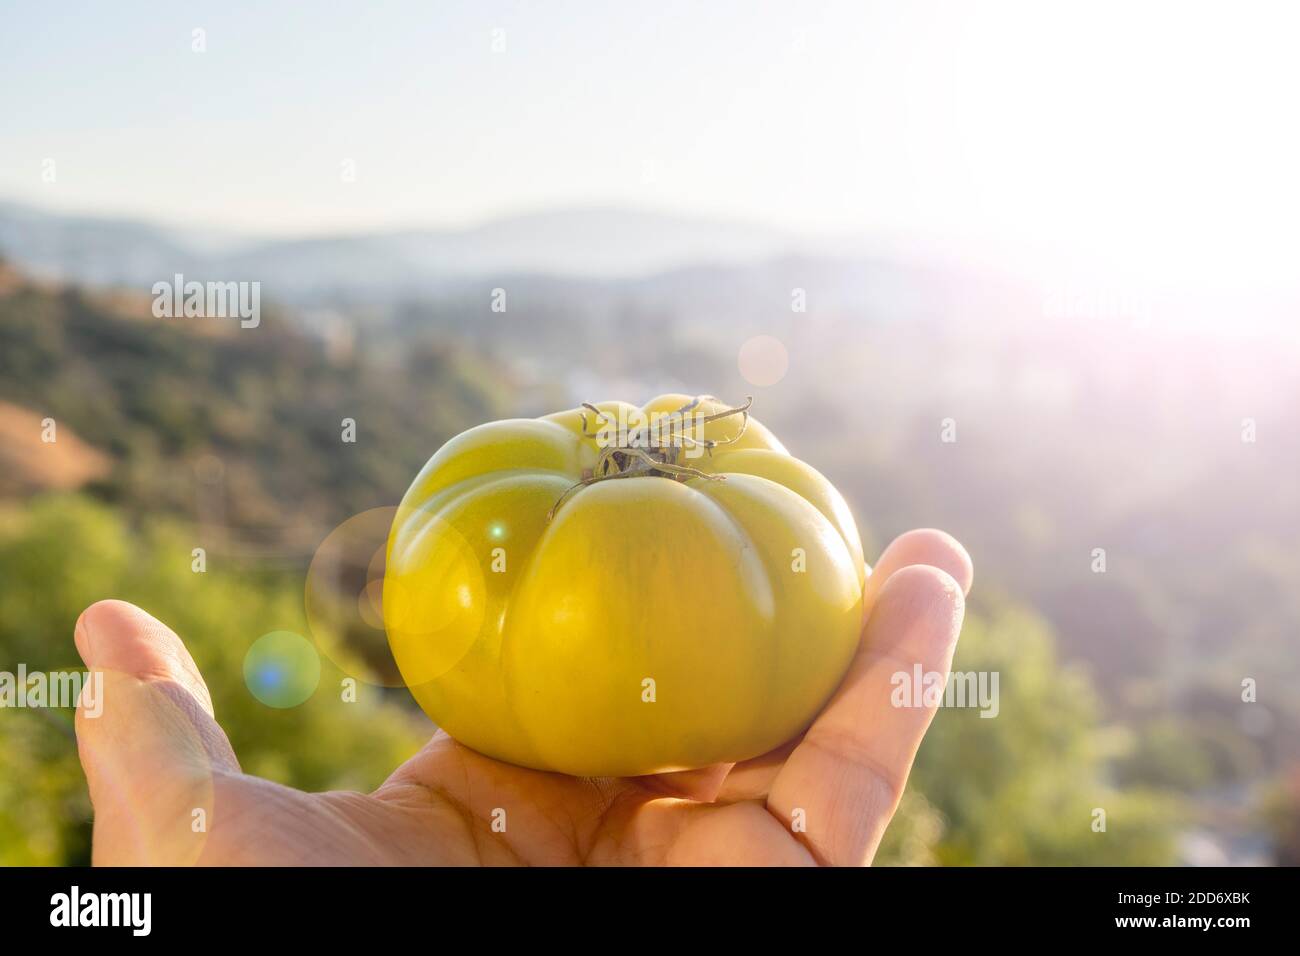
(354, 606)
(282, 669)
(763, 360)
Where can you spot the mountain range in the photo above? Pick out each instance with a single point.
(591, 243)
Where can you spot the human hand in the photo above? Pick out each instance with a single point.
(156, 755)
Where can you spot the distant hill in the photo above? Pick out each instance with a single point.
(90, 250)
(30, 464)
(240, 429)
(588, 243)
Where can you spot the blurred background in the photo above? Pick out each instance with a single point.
(1024, 271)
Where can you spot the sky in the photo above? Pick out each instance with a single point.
(1158, 135)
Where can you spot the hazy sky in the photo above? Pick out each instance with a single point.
(1137, 129)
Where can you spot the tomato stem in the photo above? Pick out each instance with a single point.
(649, 450)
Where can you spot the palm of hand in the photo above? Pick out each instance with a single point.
(167, 788)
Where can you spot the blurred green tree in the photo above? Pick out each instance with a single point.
(61, 553)
(1023, 787)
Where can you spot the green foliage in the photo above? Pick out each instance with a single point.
(1021, 787)
(161, 395)
(1280, 808)
(223, 438)
(1189, 754)
(63, 553)
(44, 811)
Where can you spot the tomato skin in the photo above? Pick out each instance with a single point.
(651, 625)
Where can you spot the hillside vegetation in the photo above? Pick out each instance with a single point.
(241, 428)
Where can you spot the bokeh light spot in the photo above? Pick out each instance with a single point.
(282, 669)
(763, 360)
(344, 598)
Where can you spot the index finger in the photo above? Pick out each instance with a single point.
(840, 786)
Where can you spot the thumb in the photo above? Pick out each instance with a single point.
(147, 739)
